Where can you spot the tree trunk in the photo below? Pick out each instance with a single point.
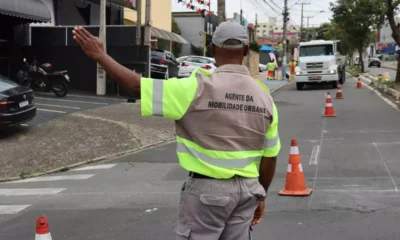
(360, 51)
(390, 13)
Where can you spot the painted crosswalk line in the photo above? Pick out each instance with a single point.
(55, 178)
(95, 167)
(29, 191)
(12, 209)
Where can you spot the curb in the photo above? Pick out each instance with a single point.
(280, 86)
(94, 160)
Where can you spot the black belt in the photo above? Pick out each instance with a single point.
(197, 175)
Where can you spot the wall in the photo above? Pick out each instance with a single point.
(190, 30)
(251, 61)
(160, 14)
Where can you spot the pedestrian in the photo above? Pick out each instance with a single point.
(271, 66)
(227, 135)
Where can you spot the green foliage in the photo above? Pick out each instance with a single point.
(176, 47)
(254, 46)
(353, 24)
(354, 70)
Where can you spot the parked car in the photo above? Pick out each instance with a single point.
(16, 103)
(262, 67)
(193, 62)
(374, 61)
(164, 64)
(181, 59)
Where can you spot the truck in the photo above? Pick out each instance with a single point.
(319, 62)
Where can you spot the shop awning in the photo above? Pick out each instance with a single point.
(34, 10)
(170, 36)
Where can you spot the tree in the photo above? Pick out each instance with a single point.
(390, 8)
(357, 20)
(176, 47)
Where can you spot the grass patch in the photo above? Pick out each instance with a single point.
(25, 174)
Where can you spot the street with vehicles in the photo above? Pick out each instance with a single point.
(349, 161)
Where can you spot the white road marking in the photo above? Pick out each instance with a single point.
(386, 166)
(314, 155)
(316, 169)
(24, 125)
(29, 191)
(55, 178)
(355, 190)
(12, 209)
(48, 110)
(75, 101)
(83, 96)
(59, 106)
(95, 167)
(386, 143)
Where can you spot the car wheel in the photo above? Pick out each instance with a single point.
(299, 86)
(379, 66)
(334, 84)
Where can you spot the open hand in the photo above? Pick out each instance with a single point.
(258, 214)
(91, 45)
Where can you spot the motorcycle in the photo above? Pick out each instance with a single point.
(43, 78)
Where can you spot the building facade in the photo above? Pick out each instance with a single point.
(193, 26)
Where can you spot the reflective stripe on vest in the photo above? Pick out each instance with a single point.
(271, 142)
(158, 98)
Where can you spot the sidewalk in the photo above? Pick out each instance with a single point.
(389, 65)
(87, 135)
(273, 85)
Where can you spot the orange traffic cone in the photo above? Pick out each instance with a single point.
(42, 229)
(295, 181)
(359, 83)
(329, 111)
(339, 94)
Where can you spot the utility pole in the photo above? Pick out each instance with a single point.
(138, 22)
(221, 11)
(101, 74)
(241, 17)
(302, 18)
(147, 34)
(285, 47)
(255, 29)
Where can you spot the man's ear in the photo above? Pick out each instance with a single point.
(245, 50)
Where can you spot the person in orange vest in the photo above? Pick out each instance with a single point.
(292, 66)
(271, 66)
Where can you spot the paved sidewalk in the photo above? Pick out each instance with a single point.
(389, 65)
(271, 84)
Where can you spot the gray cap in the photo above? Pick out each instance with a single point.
(230, 30)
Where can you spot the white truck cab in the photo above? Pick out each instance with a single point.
(318, 62)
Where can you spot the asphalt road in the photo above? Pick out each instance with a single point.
(350, 161)
(50, 107)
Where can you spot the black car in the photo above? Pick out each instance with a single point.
(16, 103)
(374, 62)
(163, 64)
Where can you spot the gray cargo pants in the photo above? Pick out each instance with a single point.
(218, 209)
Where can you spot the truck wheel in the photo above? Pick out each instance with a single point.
(299, 86)
(334, 84)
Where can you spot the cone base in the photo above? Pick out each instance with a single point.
(334, 115)
(339, 97)
(305, 192)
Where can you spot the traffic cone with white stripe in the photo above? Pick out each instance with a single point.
(329, 111)
(42, 229)
(339, 94)
(359, 83)
(295, 181)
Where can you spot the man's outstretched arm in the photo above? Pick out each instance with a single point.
(93, 48)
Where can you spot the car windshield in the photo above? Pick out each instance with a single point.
(6, 84)
(157, 53)
(198, 60)
(319, 50)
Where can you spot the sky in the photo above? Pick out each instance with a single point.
(272, 8)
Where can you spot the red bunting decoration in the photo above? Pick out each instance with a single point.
(189, 4)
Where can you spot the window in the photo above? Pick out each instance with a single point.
(5, 84)
(318, 50)
(198, 60)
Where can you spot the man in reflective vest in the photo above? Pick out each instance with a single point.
(292, 66)
(227, 135)
(271, 66)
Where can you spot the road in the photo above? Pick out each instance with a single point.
(375, 71)
(350, 161)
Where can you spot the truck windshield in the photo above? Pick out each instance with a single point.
(318, 50)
